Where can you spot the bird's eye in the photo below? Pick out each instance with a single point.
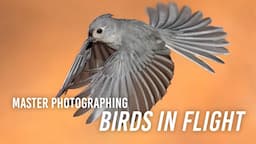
(99, 30)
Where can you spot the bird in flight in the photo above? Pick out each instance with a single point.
(124, 58)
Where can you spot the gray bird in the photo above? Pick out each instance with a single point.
(129, 58)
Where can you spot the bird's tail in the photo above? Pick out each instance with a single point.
(189, 34)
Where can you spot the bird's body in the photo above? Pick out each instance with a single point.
(131, 59)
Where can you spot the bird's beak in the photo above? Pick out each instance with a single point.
(89, 42)
(90, 39)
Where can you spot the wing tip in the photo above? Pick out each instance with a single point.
(76, 114)
(211, 71)
(149, 10)
(61, 92)
(80, 111)
(91, 119)
(88, 121)
(185, 7)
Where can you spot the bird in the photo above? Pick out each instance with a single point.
(128, 58)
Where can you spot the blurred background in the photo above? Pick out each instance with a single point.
(40, 38)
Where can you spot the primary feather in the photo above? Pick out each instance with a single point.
(189, 34)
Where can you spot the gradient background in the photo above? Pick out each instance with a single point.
(38, 43)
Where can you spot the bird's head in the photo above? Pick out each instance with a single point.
(104, 29)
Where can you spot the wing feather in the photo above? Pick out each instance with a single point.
(143, 81)
(184, 16)
(190, 35)
(173, 14)
(89, 60)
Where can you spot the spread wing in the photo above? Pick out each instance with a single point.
(188, 34)
(143, 79)
(89, 60)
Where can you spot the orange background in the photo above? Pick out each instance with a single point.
(39, 40)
